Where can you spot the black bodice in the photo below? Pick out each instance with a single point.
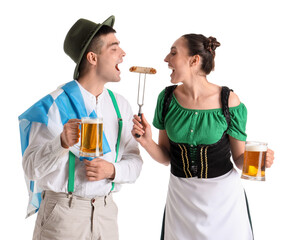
(202, 161)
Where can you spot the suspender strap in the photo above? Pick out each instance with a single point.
(120, 125)
(71, 164)
(71, 172)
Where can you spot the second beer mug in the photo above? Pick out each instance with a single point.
(254, 161)
(91, 137)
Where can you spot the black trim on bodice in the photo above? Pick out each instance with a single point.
(202, 161)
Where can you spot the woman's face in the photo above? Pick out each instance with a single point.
(179, 61)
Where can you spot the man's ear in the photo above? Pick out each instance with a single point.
(92, 58)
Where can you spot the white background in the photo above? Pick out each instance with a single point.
(255, 59)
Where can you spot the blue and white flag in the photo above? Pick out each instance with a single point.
(54, 110)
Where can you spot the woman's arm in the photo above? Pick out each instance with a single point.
(159, 152)
(237, 149)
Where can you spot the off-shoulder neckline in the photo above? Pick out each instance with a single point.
(204, 110)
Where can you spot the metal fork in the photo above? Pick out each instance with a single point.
(140, 98)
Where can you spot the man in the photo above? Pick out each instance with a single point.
(76, 193)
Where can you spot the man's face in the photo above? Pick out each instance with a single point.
(108, 59)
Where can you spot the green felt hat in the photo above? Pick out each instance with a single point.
(79, 37)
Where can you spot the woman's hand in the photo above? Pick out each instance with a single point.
(269, 158)
(142, 128)
(159, 152)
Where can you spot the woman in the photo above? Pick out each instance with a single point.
(201, 125)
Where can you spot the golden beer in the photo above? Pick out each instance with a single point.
(254, 161)
(91, 137)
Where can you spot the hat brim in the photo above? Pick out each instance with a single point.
(109, 22)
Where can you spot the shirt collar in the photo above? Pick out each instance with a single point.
(89, 95)
(90, 100)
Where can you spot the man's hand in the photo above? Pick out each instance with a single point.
(71, 133)
(99, 169)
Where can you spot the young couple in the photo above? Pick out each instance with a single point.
(201, 125)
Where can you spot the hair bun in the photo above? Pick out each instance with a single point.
(211, 44)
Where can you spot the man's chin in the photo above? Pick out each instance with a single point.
(117, 79)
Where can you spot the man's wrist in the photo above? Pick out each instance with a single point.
(112, 175)
(62, 142)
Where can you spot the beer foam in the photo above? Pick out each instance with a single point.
(91, 120)
(256, 147)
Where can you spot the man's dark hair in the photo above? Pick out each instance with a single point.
(95, 45)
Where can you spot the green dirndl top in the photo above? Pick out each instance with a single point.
(193, 126)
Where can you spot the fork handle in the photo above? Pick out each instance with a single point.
(140, 115)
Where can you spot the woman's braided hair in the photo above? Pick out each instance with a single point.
(211, 44)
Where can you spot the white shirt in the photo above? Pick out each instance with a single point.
(46, 161)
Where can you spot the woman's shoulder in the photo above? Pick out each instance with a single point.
(166, 91)
(216, 95)
(234, 100)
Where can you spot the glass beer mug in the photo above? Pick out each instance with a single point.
(91, 137)
(254, 161)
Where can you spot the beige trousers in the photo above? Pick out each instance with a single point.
(67, 217)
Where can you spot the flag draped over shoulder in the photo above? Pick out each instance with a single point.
(54, 110)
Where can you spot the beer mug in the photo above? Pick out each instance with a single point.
(254, 161)
(91, 137)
